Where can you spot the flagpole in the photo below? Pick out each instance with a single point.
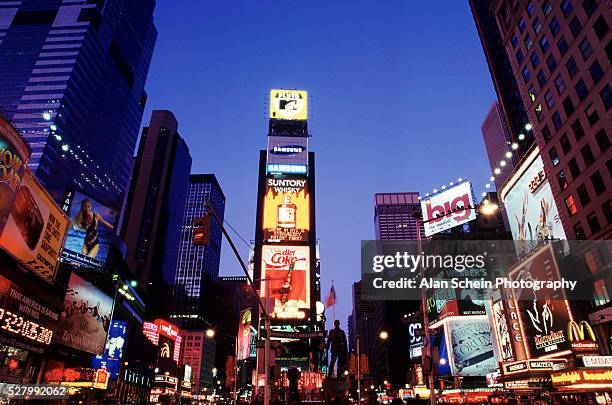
(334, 304)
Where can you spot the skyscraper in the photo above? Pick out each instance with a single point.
(72, 78)
(496, 138)
(197, 267)
(560, 52)
(156, 202)
(393, 216)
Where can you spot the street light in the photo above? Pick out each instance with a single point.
(383, 335)
(210, 333)
(488, 208)
(442, 361)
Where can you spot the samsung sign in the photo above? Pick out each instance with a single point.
(287, 168)
(287, 155)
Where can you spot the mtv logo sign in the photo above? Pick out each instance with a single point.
(450, 208)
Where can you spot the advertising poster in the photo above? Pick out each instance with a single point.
(91, 230)
(288, 104)
(113, 350)
(471, 347)
(286, 210)
(448, 209)
(544, 313)
(165, 354)
(287, 154)
(441, 303)
(244, 335)
(415, 335)
(285, 273)
(504, 340)
(14, 154)
(36, 228)
(530, 206)
(86, 316)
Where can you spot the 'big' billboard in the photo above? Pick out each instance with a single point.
(285, 273)
(286, 210)
(450, 208)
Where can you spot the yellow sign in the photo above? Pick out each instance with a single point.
(289, 104)
(577, 331)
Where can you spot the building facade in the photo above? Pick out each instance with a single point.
(72, 78)
(560, 53)
(198, 352)
(393, 216)
(496, 140)
(156, 201)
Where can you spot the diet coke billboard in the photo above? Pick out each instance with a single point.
(447, 209)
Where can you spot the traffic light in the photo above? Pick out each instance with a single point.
(201, 231)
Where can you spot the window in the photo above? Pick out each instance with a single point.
(519, 56)
(589, 7)
(535, 61)
(598, 183)
(556, 118)
(577, 129)
(568, 106)
(571, 66)
(571, 206)
(606, 96)
(609, 51)
(587, 155)
(575, 26)
(538, 111)
(537, 25)
(554, 26)
(602, 140)
(563, 46)
(607, 210)
(514, 40)
(544, 45)
(585, 48)
(554, 157)
(561, 179)
(578, 231)
(592, 114)
(573, 166)
(551, 62)
(566, 146)
(546, 7)
(566, 7)
(530, 8)
(541, 78)
(596, 71)
(532, 93)
(521, 25)
(600, 27)
(560, 84)
(581, 89)
(546, 133)
(528, 41)
(526, 74)
(593, 222)
(583, 195)
(548, 97)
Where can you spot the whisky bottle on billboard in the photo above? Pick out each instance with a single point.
(286, 213)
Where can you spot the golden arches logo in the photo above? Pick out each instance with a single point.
(165, 351)
(578, 330)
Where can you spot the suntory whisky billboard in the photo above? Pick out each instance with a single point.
(286, 214)
(285, 285)
(288, 104)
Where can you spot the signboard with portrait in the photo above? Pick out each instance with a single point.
(91, 230)
(285, 273)
(544, 313)
(288, 104)
(36, 228)
(14, 154)
(244, 335)
(530, 206)
(113, 351)
(470, 347)
(85, 319)
(448, 209)
(286, 209)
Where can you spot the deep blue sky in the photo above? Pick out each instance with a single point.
(398, 91)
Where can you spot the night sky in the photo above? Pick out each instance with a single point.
(399, 89)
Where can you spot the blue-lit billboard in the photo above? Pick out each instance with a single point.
(113, 351)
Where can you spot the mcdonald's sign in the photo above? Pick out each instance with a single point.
(582, 337)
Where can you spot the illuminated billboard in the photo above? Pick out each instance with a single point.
(288, 104)
(285, 273)
(544, 313)
(14, 154)
(286, 214)
(287, 155)
(244, 335)
(113, 350)
(530, 206)
(36, 228)
(84, 321)
(91, 230)
(447, 209)
(470, 346)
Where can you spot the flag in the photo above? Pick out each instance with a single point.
(331, 298)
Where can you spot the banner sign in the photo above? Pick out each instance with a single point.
(447, 209)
